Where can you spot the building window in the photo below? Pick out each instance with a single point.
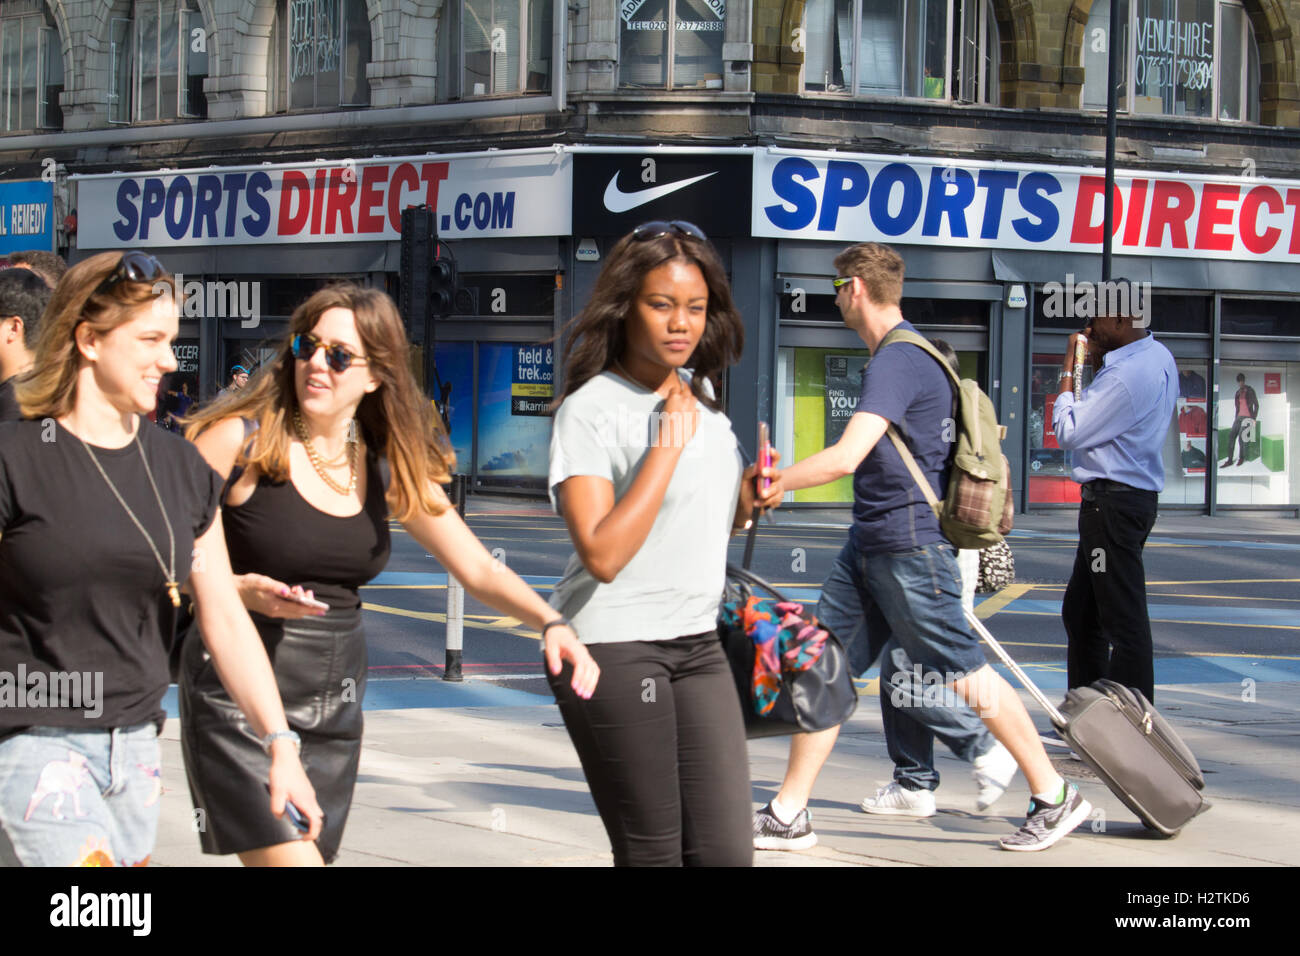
(157, 63)
(31, 70)
(1187, 58)
(976, 56)
(687, 56)
(319, 53)
(497, 47)
(890, 47)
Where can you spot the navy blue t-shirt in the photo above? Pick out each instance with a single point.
(906, 386)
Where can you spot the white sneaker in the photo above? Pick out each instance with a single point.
(993, 773)
(899, 801)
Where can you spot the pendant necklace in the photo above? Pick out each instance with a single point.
(169, 569)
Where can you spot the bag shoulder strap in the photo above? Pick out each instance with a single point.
(905, 453)
(897, 334)
(237, 472)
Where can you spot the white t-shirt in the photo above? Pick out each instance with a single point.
(672, 585)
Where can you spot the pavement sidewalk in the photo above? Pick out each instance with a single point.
(501, 786)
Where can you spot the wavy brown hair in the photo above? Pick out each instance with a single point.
(49, 390)
(598, 334)
(396, 420)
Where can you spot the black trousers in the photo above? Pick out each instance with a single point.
(1237, 424)
(1105, 605)
(662, 743)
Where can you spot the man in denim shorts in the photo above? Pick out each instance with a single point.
(897, 576)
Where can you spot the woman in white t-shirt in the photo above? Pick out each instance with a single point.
(647, 474)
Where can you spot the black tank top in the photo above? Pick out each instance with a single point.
(276, 532)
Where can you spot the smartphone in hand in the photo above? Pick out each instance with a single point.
(305, 601)
(296, 816)
(764, 457)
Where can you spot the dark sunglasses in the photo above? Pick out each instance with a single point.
(660, 227)
(304, 346)
(133, 267)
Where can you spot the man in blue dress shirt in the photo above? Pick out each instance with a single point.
(1116, 431)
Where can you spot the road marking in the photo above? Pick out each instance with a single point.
(990, 606)
(442, 619)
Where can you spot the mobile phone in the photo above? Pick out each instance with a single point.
(296, 816)
(764, 456)
(306, 601)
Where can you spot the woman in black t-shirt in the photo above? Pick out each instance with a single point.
(307, 448)
(102, 520)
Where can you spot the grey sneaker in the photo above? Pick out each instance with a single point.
(771, 834)
(993, 773)
(1047, 822)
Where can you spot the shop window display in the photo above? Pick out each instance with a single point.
(1256, 427)
(1187, 448)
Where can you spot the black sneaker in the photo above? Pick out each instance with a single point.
(1048, 822)
(771, 834)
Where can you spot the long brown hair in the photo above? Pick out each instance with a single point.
(49, 390)
(598, 334)
(395, 418)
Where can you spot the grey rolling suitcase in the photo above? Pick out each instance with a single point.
(1120, 736)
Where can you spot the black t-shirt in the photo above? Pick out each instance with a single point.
(8, 403)
(80, 590)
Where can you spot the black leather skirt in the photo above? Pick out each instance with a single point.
(320, 667)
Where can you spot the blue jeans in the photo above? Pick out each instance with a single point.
(905, 608)
(79, 797)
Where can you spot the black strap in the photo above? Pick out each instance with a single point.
(250, 426)
(749, 539)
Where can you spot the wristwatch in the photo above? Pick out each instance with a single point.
(275, 735)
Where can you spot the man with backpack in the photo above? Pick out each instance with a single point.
(897, 577)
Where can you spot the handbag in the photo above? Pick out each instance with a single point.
(811, 688)
(997, 568)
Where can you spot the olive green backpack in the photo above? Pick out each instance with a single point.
(977, 509)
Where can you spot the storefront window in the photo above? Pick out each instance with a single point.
(1257, 426)
(673, 44)
(817, 392)
(1049, 463)
(31, 66)
(901, 47)
(456, 368)
(319, 53)
(514, 424)
(1186, 451)
(1187, 58)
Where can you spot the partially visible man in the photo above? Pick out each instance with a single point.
(48, 265)
(1117, 432)
(1246, 404)
(23, 297)
(238, 379)
(897, 578)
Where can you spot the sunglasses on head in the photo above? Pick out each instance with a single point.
(304, 346)
(133, 267)
(659, 227)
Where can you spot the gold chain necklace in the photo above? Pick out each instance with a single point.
(320, 464)
(169, 569)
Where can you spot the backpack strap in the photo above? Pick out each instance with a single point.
(901, 335)
(237, 472)
(914, 468)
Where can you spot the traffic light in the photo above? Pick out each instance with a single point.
(419, 239)
(442, 283)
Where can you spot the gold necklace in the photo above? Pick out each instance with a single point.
(169, 569)
(320, 465)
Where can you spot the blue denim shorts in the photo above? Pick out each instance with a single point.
(79, 797)
(911, 596)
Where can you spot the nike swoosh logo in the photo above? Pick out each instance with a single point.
(617, 201)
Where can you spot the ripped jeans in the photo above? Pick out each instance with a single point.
(79, 797)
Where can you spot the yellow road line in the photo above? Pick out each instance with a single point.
(442, 619)
(997, 602)
(1166, 584)
(1162, 620)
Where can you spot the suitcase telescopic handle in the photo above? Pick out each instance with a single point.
(1058, 719)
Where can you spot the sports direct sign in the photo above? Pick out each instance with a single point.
(475, 196)
(852, 198)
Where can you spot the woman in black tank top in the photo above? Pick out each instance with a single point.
(317, 451)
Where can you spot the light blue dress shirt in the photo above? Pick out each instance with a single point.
(1117, 429)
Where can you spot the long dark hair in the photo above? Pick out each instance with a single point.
(598, 334)
(395, 418)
